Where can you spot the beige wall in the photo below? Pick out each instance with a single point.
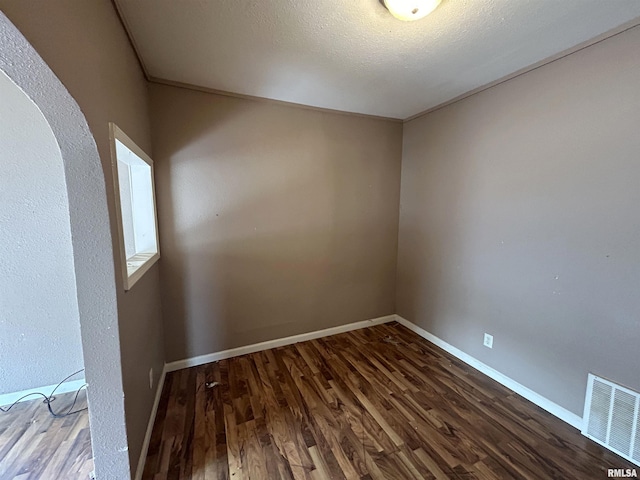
(87, 48)
(274, 220)
(519, 217)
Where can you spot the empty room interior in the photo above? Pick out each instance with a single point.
(319, 239)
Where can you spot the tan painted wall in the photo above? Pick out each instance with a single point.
(519, 217)
(86, 47)
(274, 220)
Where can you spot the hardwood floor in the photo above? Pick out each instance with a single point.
(36, 446)
(377, 403)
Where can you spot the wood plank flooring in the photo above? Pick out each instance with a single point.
(376, 403)
(36, 446)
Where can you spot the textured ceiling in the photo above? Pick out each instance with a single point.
(352, 55)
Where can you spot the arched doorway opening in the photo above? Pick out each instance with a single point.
(91, 244)
(40, 345)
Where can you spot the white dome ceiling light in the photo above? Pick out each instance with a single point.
(409, 10)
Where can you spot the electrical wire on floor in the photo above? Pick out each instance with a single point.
(50, 398)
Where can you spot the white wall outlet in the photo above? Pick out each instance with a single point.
(151, 378)
(488, 340)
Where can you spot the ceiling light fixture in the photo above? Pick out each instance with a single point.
(409, 10)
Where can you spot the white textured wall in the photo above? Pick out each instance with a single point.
(39, 323)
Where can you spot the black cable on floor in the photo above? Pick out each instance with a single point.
(49, 399)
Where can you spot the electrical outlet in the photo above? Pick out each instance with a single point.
(488, 340)
(151, 378)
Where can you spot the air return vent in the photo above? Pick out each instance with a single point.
(612, 417)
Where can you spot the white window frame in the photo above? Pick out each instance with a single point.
(135, 267)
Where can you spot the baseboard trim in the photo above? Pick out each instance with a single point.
(544, 403)
(258, 347)
(8, 398)
(152, 420)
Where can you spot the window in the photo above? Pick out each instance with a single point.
(136, 206)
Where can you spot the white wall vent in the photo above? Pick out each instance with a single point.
(612, 417)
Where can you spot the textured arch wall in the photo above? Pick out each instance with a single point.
(92, 248)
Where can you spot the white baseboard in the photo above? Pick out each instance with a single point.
(544, 403)
(258, 347)
(152, 420)
(8, 398)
